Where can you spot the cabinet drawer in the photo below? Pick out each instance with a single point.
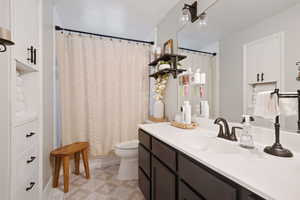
(144, 139)
(144, 160)
(186, 193)
(26, 136)
(27, 164)
(206, 184)
(164, 153)
(144, 184)
(29, 189)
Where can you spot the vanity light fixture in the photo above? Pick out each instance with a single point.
(189, 13)
(5, 39)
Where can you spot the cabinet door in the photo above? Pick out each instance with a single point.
(144, 185)
(186, 193)
(163, 182)
(26, 28)
(271, 58)
(252, 57)
(264, 56)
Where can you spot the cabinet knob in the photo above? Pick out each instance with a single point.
(30, 134)
(32, 158)
(30, 187)
(257, 77)
(262, 77)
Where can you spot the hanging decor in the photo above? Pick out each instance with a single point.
(159, 89)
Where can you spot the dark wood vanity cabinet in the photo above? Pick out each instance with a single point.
(167, 174)
(163, 182)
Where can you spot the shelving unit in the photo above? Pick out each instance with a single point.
(262, 83)
(173, 59)
(24, 68)
(167, 57)
(162, 72)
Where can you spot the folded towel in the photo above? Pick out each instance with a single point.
(266, 105)
(288, 106)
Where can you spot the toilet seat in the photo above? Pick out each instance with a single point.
(128, 145)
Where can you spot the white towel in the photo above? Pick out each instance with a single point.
(288, 106)
(266, 105)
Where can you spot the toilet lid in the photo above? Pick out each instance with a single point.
(128, 145)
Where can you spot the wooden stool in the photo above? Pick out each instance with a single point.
(64, 154)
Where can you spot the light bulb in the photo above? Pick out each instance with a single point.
(202, 23)
(185, 17)
(203, 20)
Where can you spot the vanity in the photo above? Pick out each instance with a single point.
(177, 164)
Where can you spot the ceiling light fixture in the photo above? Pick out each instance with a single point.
(5, 39)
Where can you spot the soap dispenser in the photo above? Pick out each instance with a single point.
(246, 138)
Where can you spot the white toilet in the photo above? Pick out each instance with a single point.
(128, 152)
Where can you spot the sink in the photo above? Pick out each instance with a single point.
(206, 141)
(218, 146)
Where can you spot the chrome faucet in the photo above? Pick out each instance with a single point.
(224, 131)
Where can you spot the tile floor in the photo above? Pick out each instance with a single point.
(103, 185)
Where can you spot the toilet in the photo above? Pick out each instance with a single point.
(128, 153)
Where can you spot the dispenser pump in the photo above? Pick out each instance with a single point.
(246, 139)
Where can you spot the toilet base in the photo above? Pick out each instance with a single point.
(128, 169)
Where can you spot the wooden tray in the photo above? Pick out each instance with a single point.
(193, 125)
(157, 120)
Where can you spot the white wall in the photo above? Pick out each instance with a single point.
(5, 107)
(231, 60)
(167, 29)
(48, 66)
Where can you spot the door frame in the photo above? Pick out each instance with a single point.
(280, 83)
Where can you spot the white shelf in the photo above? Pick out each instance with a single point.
(24, 68)
(262, 83)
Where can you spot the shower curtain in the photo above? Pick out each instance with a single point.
(103, 89)
(207, 64)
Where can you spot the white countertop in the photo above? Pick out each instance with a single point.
(271, 177)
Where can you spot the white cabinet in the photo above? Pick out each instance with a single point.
(263, 59)
(263, 63)
(26, 31)
(26, 91)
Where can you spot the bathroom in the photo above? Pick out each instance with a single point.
(150, 100)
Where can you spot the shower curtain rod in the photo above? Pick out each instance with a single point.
(197, 51)
(58, 28)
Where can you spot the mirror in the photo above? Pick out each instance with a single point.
(257, 47)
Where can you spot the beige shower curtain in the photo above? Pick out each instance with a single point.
(103, 89)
